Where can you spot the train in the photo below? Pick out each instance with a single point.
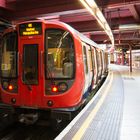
(48, 69)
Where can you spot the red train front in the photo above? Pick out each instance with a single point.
(42, 67)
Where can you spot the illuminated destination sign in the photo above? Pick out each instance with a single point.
(28, 29)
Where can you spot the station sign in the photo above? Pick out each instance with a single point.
(28, 29)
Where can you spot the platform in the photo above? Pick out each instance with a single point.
(113, 113)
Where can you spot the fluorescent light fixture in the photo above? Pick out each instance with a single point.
(129, 27)
(92, 7)
(50, 18)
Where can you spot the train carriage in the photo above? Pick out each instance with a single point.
(48, 66)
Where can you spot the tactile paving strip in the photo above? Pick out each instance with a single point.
(107, 122)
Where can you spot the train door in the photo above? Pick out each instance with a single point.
(91, 67)
(103, 63)
(95, 67)
(88, 73)
(30, 83)
(106, 61)
(99, 64)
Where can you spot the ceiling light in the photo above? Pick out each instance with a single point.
(92, 7)
(129, 27)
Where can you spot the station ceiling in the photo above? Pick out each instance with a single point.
(116, 12)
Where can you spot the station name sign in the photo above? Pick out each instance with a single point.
(28, 29)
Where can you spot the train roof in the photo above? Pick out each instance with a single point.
(81, 36)
(75, 32)
(71, 29)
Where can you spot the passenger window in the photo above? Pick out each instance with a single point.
(98, 59)
(85, 59)
(93, 59)
(101, 58)
(90, 59)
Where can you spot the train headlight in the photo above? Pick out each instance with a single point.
(58, 88)
(54, 88)
(10, 87)
(62, 87)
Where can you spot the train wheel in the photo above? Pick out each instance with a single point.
(58, 124)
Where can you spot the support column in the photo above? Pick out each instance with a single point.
(130, 61)
(122, 62)
(118, 58)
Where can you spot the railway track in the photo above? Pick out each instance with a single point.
(27, 132)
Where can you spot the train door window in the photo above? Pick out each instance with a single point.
(106, 60)
(98, 59)
(93, 58)
(90, 59)
(9, 55)
(85, 59)
(59, 58)
(30, 64)
(101, 59)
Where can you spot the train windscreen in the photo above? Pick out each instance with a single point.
(9, 55)
(59, 47)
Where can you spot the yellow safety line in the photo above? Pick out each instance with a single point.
(87, 122)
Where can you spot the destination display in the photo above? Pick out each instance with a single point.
(28, 29)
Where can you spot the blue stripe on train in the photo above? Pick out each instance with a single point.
(87, 92)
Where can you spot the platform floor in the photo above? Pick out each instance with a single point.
(114, 112)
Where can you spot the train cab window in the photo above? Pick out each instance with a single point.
(59, 58)
(30, 66)
(9, 55)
